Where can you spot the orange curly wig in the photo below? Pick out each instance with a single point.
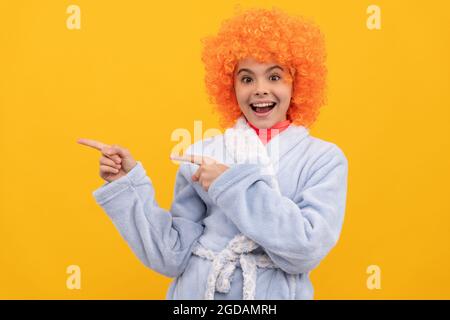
(267, 35)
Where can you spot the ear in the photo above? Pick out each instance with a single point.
(293, 71)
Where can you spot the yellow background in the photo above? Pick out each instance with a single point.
(133, 74)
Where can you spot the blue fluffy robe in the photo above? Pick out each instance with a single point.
(297, 229)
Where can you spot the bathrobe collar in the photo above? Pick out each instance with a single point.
(282, 143)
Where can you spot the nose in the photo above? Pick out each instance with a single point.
(261, 91)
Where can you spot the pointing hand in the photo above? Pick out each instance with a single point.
(115, 161)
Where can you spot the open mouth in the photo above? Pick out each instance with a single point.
(262, 108)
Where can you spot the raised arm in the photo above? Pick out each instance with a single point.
(161, 239)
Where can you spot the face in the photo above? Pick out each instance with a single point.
(262, 92)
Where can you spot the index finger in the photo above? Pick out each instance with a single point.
(92, 143)
(199, 160)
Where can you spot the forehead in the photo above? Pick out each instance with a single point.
(254, 65)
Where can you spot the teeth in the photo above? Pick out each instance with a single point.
(261, 105)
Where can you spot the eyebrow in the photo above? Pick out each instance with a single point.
(269, 69)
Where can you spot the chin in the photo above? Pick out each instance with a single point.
(263, 123)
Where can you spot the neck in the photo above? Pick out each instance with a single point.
(267, 134)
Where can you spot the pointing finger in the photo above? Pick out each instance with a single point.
(199, 160)
(100, 147)
(92, 143)
(189, 159)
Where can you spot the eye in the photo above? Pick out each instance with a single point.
(274, 77)
(246, 79)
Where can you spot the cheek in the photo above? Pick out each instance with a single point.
(284, 94)
(287, 92)
(241, 94)
(285, 97)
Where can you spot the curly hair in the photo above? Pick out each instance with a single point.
(267, 35)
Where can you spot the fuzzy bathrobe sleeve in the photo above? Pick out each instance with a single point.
(161, 239)
(296, 236)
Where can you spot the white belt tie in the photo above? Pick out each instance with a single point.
(224, 263)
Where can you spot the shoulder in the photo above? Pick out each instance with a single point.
(320, 154)
(322, 148)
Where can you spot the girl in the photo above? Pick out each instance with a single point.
(257, 208)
